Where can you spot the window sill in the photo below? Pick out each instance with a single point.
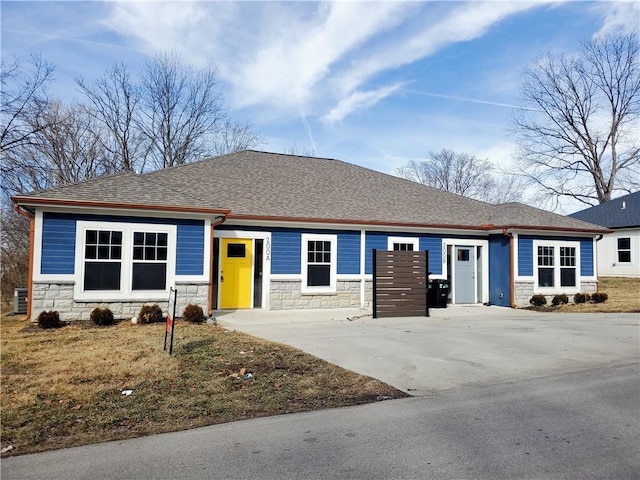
(110, 296)
(556, 290)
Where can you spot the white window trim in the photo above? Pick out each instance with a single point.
(557, 289)
(618, 250)
(410, 240)
(333, 239)
(125, 292)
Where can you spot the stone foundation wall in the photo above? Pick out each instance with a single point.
(588, 287)
(368, 294)
(524, 292)
(192, 292)
(286, 295)
(58, 296)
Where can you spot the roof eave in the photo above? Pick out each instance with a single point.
(27, 202)
(602, 230)
(483, 227)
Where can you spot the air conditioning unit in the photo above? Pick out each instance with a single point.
(20, 301)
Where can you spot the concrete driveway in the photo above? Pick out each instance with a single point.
(474, 345)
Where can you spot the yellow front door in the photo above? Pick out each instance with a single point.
(235, 273)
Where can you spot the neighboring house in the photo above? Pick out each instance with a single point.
(618, 252)
(263, 230)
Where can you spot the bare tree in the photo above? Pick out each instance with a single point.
(23, 99)
(578, 136)
(301, 151)
(23, 103)
(14, 250)
(234, 137)
(114, 101)
(463, 174)
(182, 110)
(68, 150)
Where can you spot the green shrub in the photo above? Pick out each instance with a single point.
(150, 314)
(102, 316)
(561, 299)
(581, 298)
(599, 297)
(538, 300)
(193, 313)
(49, 320)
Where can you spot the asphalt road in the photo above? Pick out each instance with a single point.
(574, 425)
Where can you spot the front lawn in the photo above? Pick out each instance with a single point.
(83, 384)
(623, 293)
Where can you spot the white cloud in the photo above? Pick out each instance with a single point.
(359, 100)
(620, 15)
(313, 57)
(289, 69)
(462, 23)
(159, 26)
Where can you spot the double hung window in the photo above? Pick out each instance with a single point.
(546, 270)
(102, 259)
(567, 266)
(557, 265)
(318, 263)
(124, 260)
(319, 260)
(149, 261)
(624, 250)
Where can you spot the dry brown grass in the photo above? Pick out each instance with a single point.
(624, 296)
(63, 387)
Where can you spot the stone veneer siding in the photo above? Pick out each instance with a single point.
(286, 295)
(524, 292)
(58, 296)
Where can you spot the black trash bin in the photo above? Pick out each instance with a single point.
(438, 293)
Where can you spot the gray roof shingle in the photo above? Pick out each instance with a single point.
(125, 188)
(256, 184)
(622, 212)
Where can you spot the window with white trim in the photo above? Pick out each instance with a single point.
(149, 270)
(102, 259)
(124, 261)
(403, 244)
(624, 250)
(567, 266)
(557, 265)
(546, 271)
(319, 259)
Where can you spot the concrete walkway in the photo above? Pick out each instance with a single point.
(456, 346)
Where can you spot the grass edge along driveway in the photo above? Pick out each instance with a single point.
(84, 384)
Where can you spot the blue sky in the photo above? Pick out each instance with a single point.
(372, 83)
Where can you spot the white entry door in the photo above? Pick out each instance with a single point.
(464, 274)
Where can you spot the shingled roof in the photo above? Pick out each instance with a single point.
(622, 212)
(261, 185)
(125, 189)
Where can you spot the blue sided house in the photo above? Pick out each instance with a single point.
(264, 230)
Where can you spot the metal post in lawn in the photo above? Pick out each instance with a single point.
(171, 315)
